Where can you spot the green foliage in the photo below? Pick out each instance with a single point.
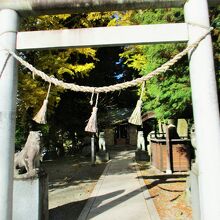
(215, 22)
(169, 94)
(159, 16)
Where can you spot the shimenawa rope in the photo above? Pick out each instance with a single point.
(111, 88)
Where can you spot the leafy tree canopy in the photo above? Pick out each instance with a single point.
(169, 94)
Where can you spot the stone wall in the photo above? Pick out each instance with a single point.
(132, 132)
(109, 136)
(182, 127)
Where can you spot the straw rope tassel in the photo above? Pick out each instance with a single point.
(41, 116)
(92, 123)
(91, 100)
(136, 118)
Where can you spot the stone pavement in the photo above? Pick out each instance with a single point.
(119, 193)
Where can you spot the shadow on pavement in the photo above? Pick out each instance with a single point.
(71, 211)
(163, 179)
(98, 210)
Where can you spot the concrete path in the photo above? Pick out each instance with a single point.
(119, 193)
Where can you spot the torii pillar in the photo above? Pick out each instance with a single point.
(8, 88)
(205, 109)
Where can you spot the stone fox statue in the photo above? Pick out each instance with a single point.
(140, 141)
(102, 141)
(29, 156)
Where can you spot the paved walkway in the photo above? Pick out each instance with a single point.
(119, 193)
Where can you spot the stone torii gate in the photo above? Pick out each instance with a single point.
(203, 83)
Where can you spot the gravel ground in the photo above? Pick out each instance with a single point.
(71, 181)
(168, 193)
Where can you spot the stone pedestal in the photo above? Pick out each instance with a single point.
(102, 156)
(141, 155)
(30, 198)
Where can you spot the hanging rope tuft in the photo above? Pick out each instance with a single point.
(136, 118)
(92, 123)
(41, 117)
(91, 100)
